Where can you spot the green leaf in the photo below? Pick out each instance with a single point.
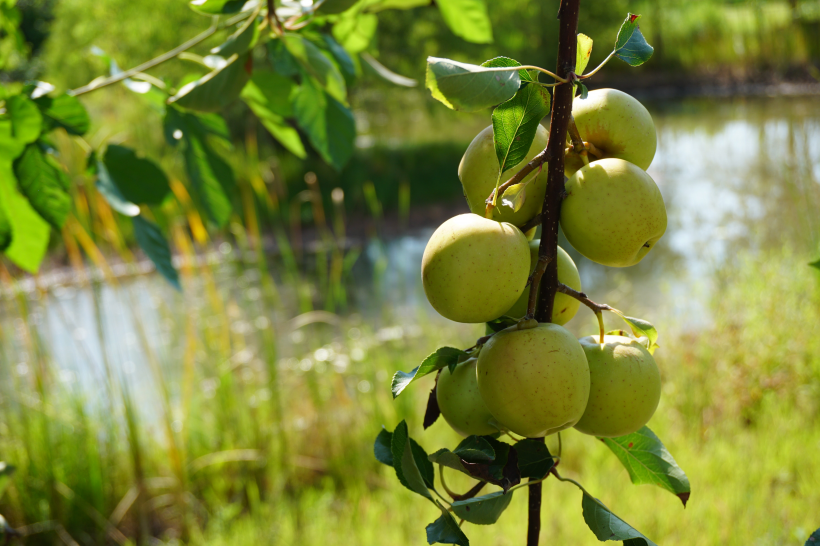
(139, 180)
(109, 190)
(319, 66)
(26, 120)
(514, 196)
(153, 243)
(648, 462)
(423, 463)
(329, 124)
(240, 41)
(405, 464)
(382, 448)
(484, 510)
(534, 459)
(814, 539)
(631, 46)
(445, 530)
(268, 95)
(330, 7)
(469, 87)
(516, 122)
(639, 327)
(6, 471)
(45, 185)
(475, 449)
(815, 264)
(283, 62)
(501, 323)
(64, 111)
(583, 53)
(443, 357)
(584, 90)
(608, 526)
(217, 7)
(218, 88)
(468, 19)
(380, 5)
(10, 147)
(501, 470)
(29, 232)
(341, 55)
(355, 32)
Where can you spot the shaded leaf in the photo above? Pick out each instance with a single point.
(336, 6)
(501, 323)
(584, 90)
(382, 447)
(514, 196)
(341, 55)
(140, 180)
(443, 357)
(64, 111)
(484, 510)
(112, 193)
(648, 462)
(583, 53)
(475, 449)
(608, 526)
(432, 412)
(218, 88)
(815, 264)
(405, 464)
(315, 63)
(153, 243)
(469, 87)
(217, 7)
(423, 463)
(29, 232)
(355, 31)
(467, 19)
(445, 530)
(26, 119)
(534, 458)
(283, 62)
(6, 471)
(268, 95)
(814, 539)
(240, 41)
(631, 46)
(45, 185)
(329, 124)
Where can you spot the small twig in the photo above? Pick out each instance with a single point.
(597, 308)
(535, 281)
(272, 16)
(535, 163)
(535, 221)
(471, 493)
(575, 136)
(600, 66)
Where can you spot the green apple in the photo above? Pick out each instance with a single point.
(478, 172)
(565, 306)
(613, 212)
(625, 386)
(473, 269)
(534, 381)
(460, 402)
(617, 124)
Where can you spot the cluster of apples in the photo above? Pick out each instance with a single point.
(537, 379)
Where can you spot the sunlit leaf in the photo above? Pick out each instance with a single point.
(648, 462)
(514, 196)
(584, 90)
(639, 327)
(240, 41)
(216, 89)
(112, 194)
(355, 32)
(467, 19)
(26, 119)
(631, 46)
(583, 53)
(217, 7)
(283, 62)
(340, 55)
(330, 7)
(484, 510)
(375, 6)
(153, 243)
(319, 66)
(329, 124)
(29, 232)
(45, 185)
(268, 95)
(139, 179)
(469, 87)
(442, 358)
(64, 111)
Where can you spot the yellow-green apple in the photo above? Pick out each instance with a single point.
(625, 386)
(461, 403)
(617, 124)
(473, 269)
(478, 172)
(534, 381)
(613, 212)
(565, 306)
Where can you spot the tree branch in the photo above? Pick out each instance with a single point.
(535, 163)
(535, 221)
(597, 308)
(272, 16)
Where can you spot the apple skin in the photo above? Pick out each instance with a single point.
(625, 386)
(473, 269)
(617, 124)
(613, 212)
(478, 172)
(461, 403)
(565, 306)
(534, 381)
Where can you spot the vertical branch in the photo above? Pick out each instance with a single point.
(550, 212)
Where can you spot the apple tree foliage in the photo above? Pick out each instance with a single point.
(518, 100)
(292, 63)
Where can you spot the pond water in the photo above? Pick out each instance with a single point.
(736, 175)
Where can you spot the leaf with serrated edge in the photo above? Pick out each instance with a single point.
(484, 510)
(534, 458)
(434, 362)
(583, 53)
(631, 46)
(648, 462)
(514, 196)
(469, 87)
(445, 530)
(608, 526)
(475, 449)
(405, 463)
